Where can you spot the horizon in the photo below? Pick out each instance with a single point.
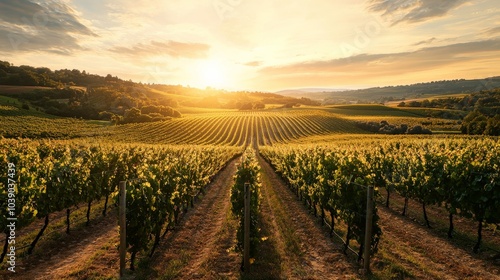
(258, 46)
(279, 91)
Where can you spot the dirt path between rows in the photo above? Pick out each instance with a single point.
(305, 248)
(201, 246)
(72, 256)
(426, 255)
(438, 217)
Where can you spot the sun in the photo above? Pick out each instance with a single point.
(212, 74)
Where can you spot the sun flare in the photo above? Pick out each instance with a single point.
(212, 74)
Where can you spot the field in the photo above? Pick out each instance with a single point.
(398, 116)
(237, 128)
(180, 174)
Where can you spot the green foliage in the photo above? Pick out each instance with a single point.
(485, 100)
(149, 113)
(477, 123)
(161, 182)
(250, 105)
(332, 178)
(385, 128)
(52, 176)
(461, 173)
(34, 125)
(248, 172)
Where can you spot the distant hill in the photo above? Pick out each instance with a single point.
(306, 92)
(75, 93)
(401, 92)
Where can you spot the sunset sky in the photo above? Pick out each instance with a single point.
(256, 44)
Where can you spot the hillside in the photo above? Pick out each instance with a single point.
(75, 93)
(43, 93)
(22, 120)
(400, 92)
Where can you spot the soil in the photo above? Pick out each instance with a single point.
(305, 248)
(72, 253)
(428, 254)
(202, 245)
(438, 217)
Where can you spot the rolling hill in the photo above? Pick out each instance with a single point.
(400, 92)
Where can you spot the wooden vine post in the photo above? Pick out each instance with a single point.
(368, 230)
(246, 229)
(123, 223)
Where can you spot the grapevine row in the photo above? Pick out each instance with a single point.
(248, 172)
(234, 128)
(461, 174)
(333, 180)
(54, 176)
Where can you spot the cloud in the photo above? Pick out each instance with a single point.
(413, 11)
(170, 48)
(364, 67)
(492, 31)
(425, 42)
(46, 26)
(253, 63)
(16, 39)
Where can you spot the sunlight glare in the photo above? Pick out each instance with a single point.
(212, 74)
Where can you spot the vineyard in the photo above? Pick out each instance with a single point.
(334, 181)
(179, 175)
(463, 176)
(31, 123)
(163, 181)
(237, 128)
(232, 128)
(427, 117)
(212, 127)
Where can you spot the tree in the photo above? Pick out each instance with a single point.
(493, 126)
(116, 119)
(105, 115)
(131, 115)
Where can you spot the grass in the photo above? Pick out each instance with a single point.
(291, 240)
(428, 97)
(174, 266)
(178, 97)
(84, 270)
(12, 107)
(434, 124)
(387, 266)
(270, 264)
(99, 122)
(4, 100)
